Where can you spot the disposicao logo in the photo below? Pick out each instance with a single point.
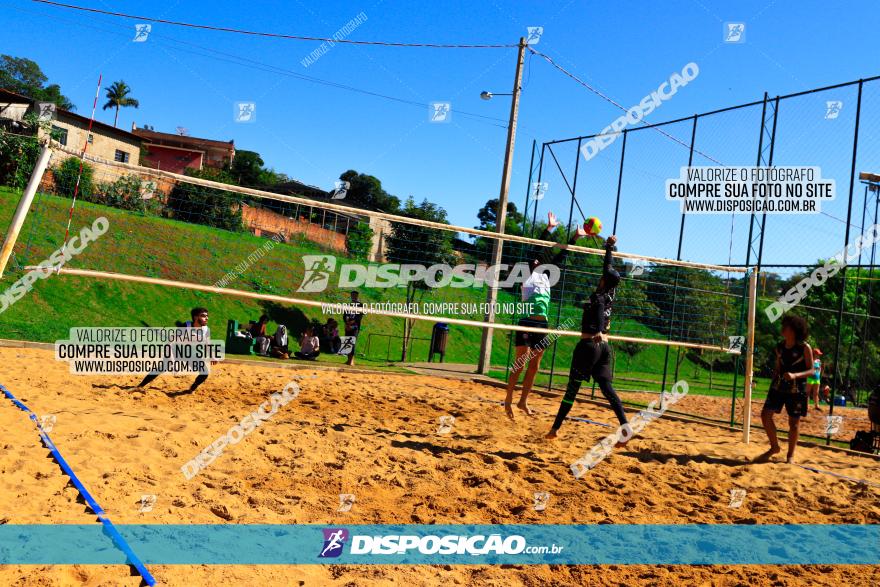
(334, 540)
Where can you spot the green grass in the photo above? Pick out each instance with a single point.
(169, 249)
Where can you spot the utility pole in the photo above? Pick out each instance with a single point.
(501, 216)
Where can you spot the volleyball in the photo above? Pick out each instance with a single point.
(593, 226)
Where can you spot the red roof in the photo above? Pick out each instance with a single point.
(183, 140)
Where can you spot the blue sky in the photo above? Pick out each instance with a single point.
(192, 78)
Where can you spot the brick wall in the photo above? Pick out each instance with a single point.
(260, 220)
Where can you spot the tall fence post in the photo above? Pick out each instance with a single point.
(852, 179)
(675, 284)
(24, 205)
(619, 182)
(750, 354)
(577, 162)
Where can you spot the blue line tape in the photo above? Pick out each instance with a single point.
(857, 480)
(109, 529)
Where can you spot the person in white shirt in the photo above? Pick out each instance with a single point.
(309, 346)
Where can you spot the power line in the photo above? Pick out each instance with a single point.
(611, 101)
(270, 35)
(269, 68)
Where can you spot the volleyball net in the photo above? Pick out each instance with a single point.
(242, 251)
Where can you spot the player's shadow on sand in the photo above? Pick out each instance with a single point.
(659, 457)
(178, 393)
(437, 450)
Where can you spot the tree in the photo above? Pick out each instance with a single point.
(23, 76)
(365, 191)
(19, 148)
(118, 97)
(418, 245)
(246, 168)
(359, 240)
(488, 216)
(513, 224)
(204, 205)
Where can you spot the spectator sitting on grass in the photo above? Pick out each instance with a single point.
(330, 342)
(257, 331)
(309, 346)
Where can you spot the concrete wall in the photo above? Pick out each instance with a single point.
(260, 221)
(13, 111)
(104, 143)
(381, 228)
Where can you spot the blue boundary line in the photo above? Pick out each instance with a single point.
(109, 528)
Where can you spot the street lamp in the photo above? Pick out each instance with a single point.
(486, 95)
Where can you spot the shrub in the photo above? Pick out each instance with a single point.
(65, 179)
(203, 205)
(126, 193)
(359, 240)
(18, 155)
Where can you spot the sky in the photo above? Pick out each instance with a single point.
(185, 77)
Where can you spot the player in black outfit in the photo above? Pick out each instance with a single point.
(199, 320)
(794, 363)
(592, 355)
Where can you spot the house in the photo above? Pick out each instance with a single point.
(72, 130)
(177, 153)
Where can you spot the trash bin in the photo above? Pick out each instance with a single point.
(439, 336)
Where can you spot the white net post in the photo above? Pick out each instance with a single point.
(750, 354)
(24, 205)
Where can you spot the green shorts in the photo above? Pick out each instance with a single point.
(813, 381)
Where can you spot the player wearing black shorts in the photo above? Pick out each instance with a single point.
(352, 321)
(592, 355)
(794, 363)
(199, 319)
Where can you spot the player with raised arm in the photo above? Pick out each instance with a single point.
(592, 355)
(530, 346)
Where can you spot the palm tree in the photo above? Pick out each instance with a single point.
(117, 96)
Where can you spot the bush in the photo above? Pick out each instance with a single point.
(359, 240)
(126, 193)
(65, 179)
(209, 206)
(18, 155)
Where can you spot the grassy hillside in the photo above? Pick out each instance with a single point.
(159, 247)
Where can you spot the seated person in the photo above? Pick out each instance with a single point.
(309, 345)
(279, 343)
(257, 331)
(330, 341)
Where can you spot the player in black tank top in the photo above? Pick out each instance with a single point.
(592, 355)
(791, 360)
(794, 363)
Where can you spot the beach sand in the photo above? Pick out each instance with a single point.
(375, 436)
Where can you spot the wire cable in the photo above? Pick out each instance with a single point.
(611, 101)
(269, 68)
(270, 35)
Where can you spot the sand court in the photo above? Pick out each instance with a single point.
(378, 437)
